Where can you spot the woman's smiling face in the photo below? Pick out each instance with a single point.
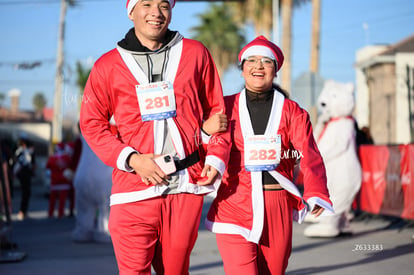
(258, 73)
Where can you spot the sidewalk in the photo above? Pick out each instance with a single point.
(50, 250)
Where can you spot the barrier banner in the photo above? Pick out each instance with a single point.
(407, 180)
(387, 180)
(373, 162)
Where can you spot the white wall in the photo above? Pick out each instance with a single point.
(402, 109)
(364, 57)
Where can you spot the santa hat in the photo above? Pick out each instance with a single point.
(131, 4)
(60, 147)
(261, 46)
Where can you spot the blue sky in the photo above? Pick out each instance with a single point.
(28, 31)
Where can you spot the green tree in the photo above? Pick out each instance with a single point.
(260, 14)
(221, 35)
(256, 12)
(82, 76)
(39, 103)
(2, 98)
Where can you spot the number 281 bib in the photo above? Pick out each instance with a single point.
(156, 100)
(262, 153)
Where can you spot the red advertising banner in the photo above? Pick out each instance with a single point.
(374, 162)
(407, 180)
(387, 180)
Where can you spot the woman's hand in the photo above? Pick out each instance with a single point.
(208, 175)
(215, 124)
(317, 210)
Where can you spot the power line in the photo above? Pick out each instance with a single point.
(23, 2)
(26, 65)
(26, 2)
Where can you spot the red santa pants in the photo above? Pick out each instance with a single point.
(161, 231)
(61, 192)
(271, 255)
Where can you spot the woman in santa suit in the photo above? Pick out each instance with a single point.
(257, 200)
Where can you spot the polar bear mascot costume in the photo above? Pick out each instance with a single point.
(335, 134)
(92, 182)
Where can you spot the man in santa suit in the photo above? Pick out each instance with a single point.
(60, 183)
(159, 87)
(257, 200)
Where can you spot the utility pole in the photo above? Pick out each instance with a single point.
(275, 28)
(57, 107)
(275, 25)
(314, 55)
(316, 33)
(287, 11)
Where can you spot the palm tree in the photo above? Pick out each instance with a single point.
(39, 103)
(221, 35)
(259, 12)
(2, 98)
(82, 77)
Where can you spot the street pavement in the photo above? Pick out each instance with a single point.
(378, 245)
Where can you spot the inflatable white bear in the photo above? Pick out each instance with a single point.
(335, 134)
(93, 183)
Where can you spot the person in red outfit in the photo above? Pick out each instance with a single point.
(158, 87)
(257, 200)
(60, 183)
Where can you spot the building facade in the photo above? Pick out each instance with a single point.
(384, 91)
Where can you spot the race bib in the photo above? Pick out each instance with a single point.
(262, 153)
(156, 100)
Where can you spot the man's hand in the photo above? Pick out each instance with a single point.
(209, 175)
(317, 210)
(144, 165)
(215, 124)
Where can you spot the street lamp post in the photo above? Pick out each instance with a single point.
(57, 107)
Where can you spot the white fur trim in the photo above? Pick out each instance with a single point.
(258, 207)
(315, 200)
(227, 228)
(121, 161)
(205, 138)
(299, 215)
(216, 163)
(153, 191)
(131, 4)
(112, 121)
(258, 50)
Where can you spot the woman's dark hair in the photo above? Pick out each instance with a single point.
(280, 90)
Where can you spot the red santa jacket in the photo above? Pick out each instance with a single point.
(238, 207)
(57, 164)
(111, 92)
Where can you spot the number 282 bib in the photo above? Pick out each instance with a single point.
(262, 153)
(156, 100)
